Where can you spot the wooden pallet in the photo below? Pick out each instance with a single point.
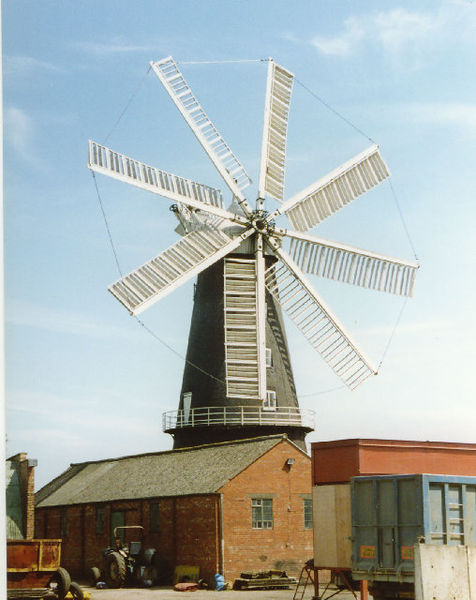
(263, 583)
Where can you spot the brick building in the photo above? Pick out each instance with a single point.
(226, 507)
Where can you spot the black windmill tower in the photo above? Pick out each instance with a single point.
(238, 381)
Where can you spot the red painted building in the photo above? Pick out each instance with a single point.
(227, 507)
(337, 461)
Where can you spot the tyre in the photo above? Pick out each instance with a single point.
(94, 575)
(76, 591)
(149, 556)
(115, 574)
(148, 576)
(60, 583)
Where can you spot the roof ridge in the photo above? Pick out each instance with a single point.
(206, 470)
(49, 488)
(186, 449)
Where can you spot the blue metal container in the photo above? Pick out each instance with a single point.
(391, 513)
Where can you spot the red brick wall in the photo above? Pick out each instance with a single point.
(39, 523)
(187, 532)
(288, 545)
(190, 526)
(28, 488)
(196, 533)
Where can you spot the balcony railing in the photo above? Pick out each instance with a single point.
(237, 416)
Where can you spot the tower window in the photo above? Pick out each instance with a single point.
(270, 402)
(269, 358)
(186, 402)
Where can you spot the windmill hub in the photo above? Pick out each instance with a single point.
(259, 222)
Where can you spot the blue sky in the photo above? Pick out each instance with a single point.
(83, 380)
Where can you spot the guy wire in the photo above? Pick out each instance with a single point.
(336, 112)
(154, 335)
(334, 389)
(128, 103)
(220, 62)
(399, 317)
(397, 203)
(109, 235)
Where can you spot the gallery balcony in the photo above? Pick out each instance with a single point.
(237, 416)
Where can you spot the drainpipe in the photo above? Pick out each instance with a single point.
(221, 562)
(174, 528)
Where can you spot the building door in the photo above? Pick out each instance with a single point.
(118, 518)
(387, 517)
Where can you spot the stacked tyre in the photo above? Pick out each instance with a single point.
(60, 584)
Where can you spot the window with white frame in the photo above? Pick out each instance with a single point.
(269, 358)
(262, 513)
(186, 401)
(270, 402)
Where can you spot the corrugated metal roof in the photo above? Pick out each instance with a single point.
(198, 470)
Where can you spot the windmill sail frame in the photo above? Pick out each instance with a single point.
(244, 239)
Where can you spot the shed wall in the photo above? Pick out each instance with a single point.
(186, 532)
(288, 545)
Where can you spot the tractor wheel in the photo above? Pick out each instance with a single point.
(94, 575)
(115, 574)
(149, 556)
(60, 583)
(76, 591)
(148, 576)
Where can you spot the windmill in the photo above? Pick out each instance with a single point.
(238, 380)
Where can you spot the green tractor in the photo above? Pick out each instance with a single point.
(127, 565)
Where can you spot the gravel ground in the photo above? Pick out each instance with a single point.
(167, 593)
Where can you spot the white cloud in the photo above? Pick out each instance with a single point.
(18, 129)
(115, 46)
(343, 44)
(457, 114)
(399, 27)
(289, 36)
(399, 33)
(19, 133)
(24, 65)
(63, 321)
